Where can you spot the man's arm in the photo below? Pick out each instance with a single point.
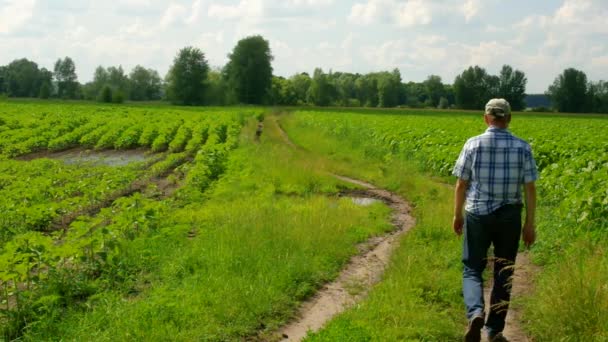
(459, 197)
(529, 229)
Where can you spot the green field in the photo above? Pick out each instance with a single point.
(211, 234)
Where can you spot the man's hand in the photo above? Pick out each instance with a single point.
(528, 234)
(459, 194)
(458, 224)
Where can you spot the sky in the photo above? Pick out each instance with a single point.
(419, 37)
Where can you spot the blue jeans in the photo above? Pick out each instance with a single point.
(502, 228)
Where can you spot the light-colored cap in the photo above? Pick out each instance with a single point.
(498, 107)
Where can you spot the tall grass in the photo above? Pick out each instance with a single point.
(571, 301)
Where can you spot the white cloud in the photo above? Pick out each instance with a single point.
(403, 14)
(244, 9)
(426, 52)
(79, 33)
(572, 12)
(414, 12)
(208, 42)
(172, 14)
(470, 9)
(313, 3)
(135, 3)
(195, 12)
(14, 14)
(365, 13)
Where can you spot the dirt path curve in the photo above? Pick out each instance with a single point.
(362, 271)
(522, 286)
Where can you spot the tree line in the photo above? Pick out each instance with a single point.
(248, 78)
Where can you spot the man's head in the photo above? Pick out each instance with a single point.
(498, 113)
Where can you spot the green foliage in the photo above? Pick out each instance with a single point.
(45, 91)
(512, 87)
(443, 103)
(321, 91)
(568, 92)
(435, 91)
(67, 81)
(187, 76)
(473, 88)
(23, 78)
(118, 97)
(43, 275)
(572, 298)
(144, 84)
(249, 70)
(106, 94)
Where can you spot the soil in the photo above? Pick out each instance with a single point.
(522, 286)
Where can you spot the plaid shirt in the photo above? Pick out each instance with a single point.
(496, 164)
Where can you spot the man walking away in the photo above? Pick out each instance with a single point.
(492, 169)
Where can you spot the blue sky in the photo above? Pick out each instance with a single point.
(420, 37)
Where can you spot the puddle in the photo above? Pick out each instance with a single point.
(105, 157)
(364, 201)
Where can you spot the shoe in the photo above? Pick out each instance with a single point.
(473, 333)
(498, 338)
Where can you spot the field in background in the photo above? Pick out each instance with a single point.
(207, 233)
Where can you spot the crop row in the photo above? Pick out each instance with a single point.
(40, 271)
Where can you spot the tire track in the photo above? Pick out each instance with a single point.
(360, 274)
(362, 271)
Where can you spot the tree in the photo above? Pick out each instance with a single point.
(512, 87)
(23, 78)
(443, 103)
(187, 76)
(106, 94)
(249, 70)
(415, 94)
(434, 90)
(568, 92)
(346, 91)
(216, 89)
(118, 80)
(46, 83)
(598, 97)
(92, 90)
(388, 85)
(321, 91)
(367, 90)
(282, 92)
(67, 80)
(474, 87)
(301, 83)
(144, 84)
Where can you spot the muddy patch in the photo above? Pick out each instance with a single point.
(104, 157)
(364, 201)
